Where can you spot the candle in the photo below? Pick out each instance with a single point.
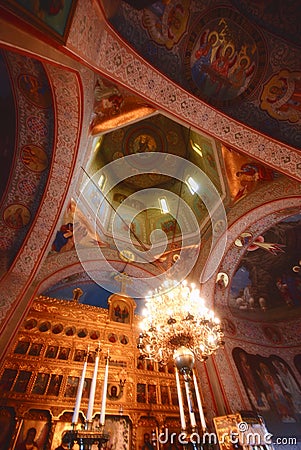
(180, 398)
(190, 407)
(104, 393)
(198, 397)
(79, 392)
(93, 388)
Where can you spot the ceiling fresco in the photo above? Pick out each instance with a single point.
(115, 107)
(52, 18)
(267, 283)
(278, 17)
(25, 88)
(224, 57)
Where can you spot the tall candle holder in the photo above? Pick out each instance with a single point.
(88, 436)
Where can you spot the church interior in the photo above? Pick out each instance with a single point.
(142, 142)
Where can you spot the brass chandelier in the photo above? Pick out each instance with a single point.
(175, 316)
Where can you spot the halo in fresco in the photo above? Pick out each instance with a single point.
(16, 216)
(225, 57)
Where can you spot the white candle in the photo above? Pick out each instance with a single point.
(93, 388)
(104, 393)
(180, 398)
(79, 393)
(190, 407)
(200, 406)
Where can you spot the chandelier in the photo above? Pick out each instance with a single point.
(175, 316)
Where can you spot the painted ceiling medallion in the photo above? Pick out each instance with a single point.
(224, 57)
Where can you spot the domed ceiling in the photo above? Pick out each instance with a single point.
(237, 178)
(174, 37)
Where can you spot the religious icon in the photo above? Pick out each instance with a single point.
(141, 393)
(120, 312)
(123, 339)
(54, 385)
(40, 383)
(34, 157)
(64, 353)
(51, 351)
(16, 216)
(7, 379)
(222, 280)
(112, 338)
(151, 393)
(79, 355)
(71, 387)
(113, 392)
(164, 395)
(86, 389)
(22, 347)
(22, 381)
(35, 349)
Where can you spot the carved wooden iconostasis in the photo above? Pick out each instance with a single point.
(40, 377)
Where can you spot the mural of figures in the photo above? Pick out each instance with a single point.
(245, 175)
(64, 353)
(281, 96)
(29, 441)
(272, 389)
(75, 227)
(114, 392)
(275, 394)
(51, 351)
(250, 378)
(40, 384)
(71, 386)
(265, 284)
(34, 157)
(289, 384)
(141, 393)
(120, 314)
(35, 349)
(22, 381)
(249, 176)
(35, 89)
(54, 385)
(222, 68)
(272, 333)
(52, 17)
(166, 21)
(16, 216)
(34, 431)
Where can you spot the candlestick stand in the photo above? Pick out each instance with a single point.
(85, 438)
